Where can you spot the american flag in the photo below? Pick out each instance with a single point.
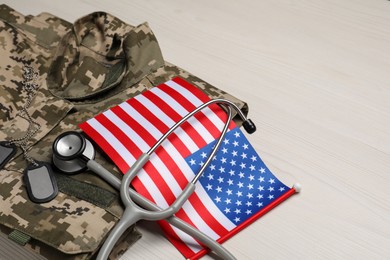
(235, 189)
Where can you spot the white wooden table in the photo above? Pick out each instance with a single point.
(316, 76)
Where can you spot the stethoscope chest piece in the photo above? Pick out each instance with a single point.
(69, 149)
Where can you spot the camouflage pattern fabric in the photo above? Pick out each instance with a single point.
(84, 68)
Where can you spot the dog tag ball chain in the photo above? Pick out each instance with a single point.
(38, 177)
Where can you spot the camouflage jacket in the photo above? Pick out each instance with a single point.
(83, 69)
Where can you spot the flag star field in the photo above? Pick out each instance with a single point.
(237, 180)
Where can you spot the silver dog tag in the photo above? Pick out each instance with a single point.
(7, 150)
(40, 182)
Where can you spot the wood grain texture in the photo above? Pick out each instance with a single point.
(316, 76)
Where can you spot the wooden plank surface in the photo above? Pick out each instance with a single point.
(316, 76)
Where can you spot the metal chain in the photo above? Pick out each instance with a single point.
(29, 85)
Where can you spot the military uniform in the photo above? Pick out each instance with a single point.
(83, 69)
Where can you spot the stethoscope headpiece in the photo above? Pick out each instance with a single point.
(69, 145)
(71, 150)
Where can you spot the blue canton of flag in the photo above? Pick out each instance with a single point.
(237, 180)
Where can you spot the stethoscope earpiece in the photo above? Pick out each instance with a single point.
(249, 126)
(71, 151)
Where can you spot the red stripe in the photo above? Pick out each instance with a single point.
(249, 221)
(148, 115)
(120, 135)
(179, 145)
(137, 127)
(193, 134)
(166, 227)
(106, 146)
(173, 167)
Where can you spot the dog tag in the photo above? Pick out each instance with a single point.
(40, 182)
(7, 150)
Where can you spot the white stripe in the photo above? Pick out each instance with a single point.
(141, 120)
(113, 141)
(153, 190)
(155, 110)
(199, 127)
(125, 128)
(142, 175)
(174, 186)
(187, 140)
(175, 154)
(190, 242)
(214, 118)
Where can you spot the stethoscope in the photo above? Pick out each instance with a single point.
(73, 153)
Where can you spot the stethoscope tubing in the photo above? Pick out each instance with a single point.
(134, 212)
